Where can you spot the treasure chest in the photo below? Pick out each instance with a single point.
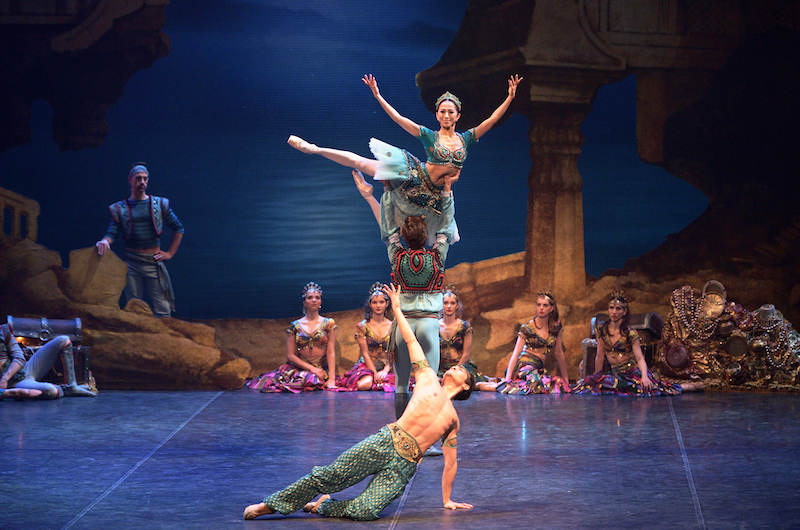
(32, 333)
(648, 325)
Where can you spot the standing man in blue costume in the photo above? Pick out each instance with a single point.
(419, 272)
(140, 219)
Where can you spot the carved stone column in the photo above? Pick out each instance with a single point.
(554, 253)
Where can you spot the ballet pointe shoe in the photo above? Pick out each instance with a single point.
(302, 146)
(311, 507)
(257, 510)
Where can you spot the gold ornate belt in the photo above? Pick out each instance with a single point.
(624, 366)
(405, 444)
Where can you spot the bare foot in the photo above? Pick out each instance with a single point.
(257, 510)
(301, 145)
(312, 506)
(364, 187)
(692, 387)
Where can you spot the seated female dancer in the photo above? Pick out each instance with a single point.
(540, 336)
(621, 346)
(19, 379)
(455, 338)
(310, 352)
(374, 369)
(413, 187)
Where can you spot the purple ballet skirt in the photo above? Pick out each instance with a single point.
(625, 379)
(349, 381)
(287, 378)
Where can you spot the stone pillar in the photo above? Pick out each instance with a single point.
(554, 253)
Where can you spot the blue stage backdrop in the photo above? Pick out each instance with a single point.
(262, 219)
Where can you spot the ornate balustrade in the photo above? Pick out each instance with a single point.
(23, 212)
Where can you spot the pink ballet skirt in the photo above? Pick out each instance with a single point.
(349, 381)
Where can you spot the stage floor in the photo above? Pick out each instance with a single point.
(185, 460)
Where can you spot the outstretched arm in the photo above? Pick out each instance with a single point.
(409, 126)
(365, 189)
(489, 122)
(449, 448)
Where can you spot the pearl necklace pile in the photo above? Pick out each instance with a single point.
(684, 308)
(781, 344)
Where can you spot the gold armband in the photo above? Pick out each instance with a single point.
(451, 442)
(416, 366)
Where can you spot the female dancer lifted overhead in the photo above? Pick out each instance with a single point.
(413, 187)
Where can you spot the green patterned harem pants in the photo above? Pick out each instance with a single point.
(375, 456)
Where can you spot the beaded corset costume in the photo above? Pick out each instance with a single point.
(376, 346)
(450, 350)
(419, 189)
(534, 342)
(305, 341)
(618, 353)
(441, 155)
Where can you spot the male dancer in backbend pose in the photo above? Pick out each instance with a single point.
(392, 454)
